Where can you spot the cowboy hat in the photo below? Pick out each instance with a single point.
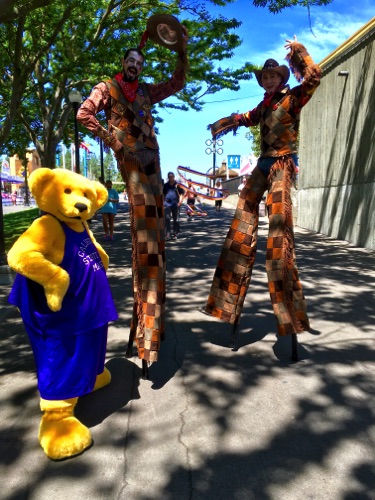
(165, 30)
(272, 65)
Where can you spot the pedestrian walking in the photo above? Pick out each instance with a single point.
(109, 210)
(219, 193)
(191, 197)
(14, 198)
(173, 196)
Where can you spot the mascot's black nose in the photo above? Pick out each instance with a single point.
(81, 207)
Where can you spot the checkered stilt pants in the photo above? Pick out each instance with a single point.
(233, 273)
(142, 174)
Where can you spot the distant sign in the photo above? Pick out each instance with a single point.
(234, 161)
(5, 168)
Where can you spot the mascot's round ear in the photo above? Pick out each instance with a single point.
(101, 193)
(38, 180)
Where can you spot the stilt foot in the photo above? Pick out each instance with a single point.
(129, 349)
(145, 372)
(233, 338)
(294, 347)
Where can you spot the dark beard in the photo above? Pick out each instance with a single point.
(127, 79)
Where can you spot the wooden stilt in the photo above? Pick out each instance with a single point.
(129, 349)
(294, 347)
(145, 372)
(233, 338)
(133, 329)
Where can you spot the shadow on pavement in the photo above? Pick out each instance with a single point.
(245, 425)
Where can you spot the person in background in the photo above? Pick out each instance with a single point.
(219, 193)
(14, 198)
(109, 211)
(190, 197)
(173, 196)
(242, 185)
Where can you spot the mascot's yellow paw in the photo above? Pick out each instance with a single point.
(102, 379)
(61, 435)
(63, 438)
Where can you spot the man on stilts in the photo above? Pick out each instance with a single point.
(127, 104)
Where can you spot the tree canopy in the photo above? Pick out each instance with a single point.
(12, 9)
(50, 47)
(276, 6)
(75, 44)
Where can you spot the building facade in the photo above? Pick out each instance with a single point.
(337, 145)
(17, 167)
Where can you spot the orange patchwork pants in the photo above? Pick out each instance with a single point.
(233, 273)
(142, 174)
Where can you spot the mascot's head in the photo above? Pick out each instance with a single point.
(66, 195)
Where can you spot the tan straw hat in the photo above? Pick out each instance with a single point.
(165, 30)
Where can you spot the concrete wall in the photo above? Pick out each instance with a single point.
(337, 146)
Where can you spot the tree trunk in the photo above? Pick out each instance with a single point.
(47, 156)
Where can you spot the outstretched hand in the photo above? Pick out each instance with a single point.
(289, 43)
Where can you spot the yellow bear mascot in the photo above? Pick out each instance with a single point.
(65, 301)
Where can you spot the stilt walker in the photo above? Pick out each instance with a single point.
(127, 104)
(278, 117)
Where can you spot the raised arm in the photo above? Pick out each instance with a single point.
(232, 122)
(160, 91)
(302, 65)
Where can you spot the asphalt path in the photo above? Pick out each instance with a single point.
(212, 423)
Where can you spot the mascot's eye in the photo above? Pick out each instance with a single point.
(67, 191)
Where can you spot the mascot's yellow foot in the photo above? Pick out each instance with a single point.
(102, 379)
(61, 435)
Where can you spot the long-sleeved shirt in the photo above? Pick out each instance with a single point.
(100, 99)
(279, 117)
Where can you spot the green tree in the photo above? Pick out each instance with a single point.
(13, 9)
(61, 47)
(253, 135)
(46, 52)
(277, 6)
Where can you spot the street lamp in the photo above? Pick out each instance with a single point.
(214, 150)
(75, 97)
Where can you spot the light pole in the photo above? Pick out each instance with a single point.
(75, 97)
(214, 150)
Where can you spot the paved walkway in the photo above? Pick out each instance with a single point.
(8, 209)
(212, 423)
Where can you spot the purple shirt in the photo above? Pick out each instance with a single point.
(69, 345)
(88, 302)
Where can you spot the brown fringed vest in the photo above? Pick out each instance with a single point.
(132, 122)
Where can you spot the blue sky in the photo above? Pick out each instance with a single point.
(182, 135)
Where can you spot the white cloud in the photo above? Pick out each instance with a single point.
(329, 31)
